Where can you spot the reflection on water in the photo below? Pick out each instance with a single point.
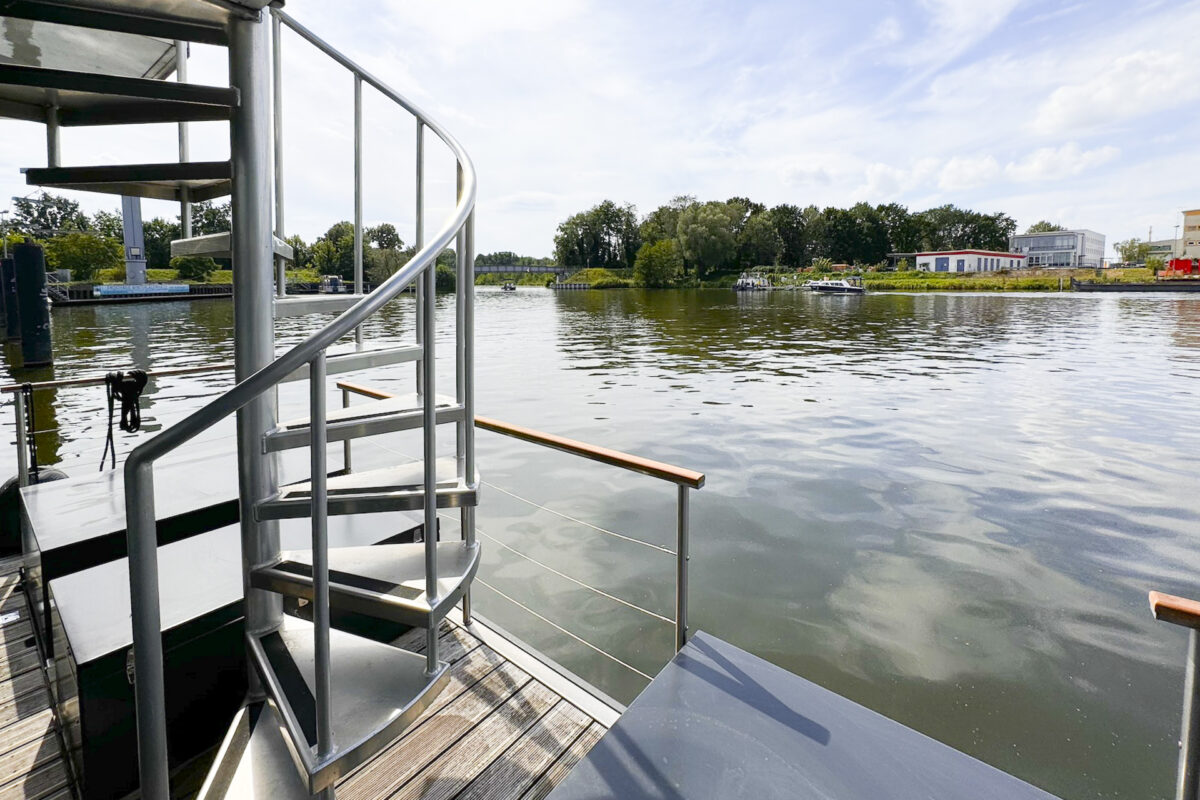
(948, 508)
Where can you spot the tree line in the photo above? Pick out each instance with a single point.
(88, 244)
(688, 239)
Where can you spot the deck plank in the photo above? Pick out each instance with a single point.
(565, 763)
(17, 764)
(511, 774)
(469, 756)
(48, 780)
(430, 738)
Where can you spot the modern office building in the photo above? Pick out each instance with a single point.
(1190, 238)
(1081, 248)
(968, 261)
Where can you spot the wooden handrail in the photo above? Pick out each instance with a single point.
(365, 391)
(1175, 610)
(645, 466)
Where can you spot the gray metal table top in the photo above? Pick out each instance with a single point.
(719, 722)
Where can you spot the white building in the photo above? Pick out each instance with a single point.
(968, 261)
(1081, 248)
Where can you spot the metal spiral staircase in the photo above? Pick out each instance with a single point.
(322, 701)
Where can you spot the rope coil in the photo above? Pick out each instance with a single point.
(126, 387)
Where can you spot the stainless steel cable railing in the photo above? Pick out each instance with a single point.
(150, 694)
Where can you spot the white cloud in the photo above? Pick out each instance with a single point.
(1131, 86)
(1054, 163)
(962, 172)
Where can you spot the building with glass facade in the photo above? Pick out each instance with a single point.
(1060, 249)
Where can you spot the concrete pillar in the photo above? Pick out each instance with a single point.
(135, 242)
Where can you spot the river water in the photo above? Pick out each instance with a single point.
(948, 508)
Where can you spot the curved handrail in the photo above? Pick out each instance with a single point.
(140, 517)
(305, 351)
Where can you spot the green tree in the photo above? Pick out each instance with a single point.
(333, 253)
(658, 265)
(194, 268)
(1133, 251)
(207, 217)
(384, 236)
(1044, 227)
(108, 224)
(822, 264)
(158, 234)
(903, 230)
(301, 252)
(47, 214)
(706, 237)
(1155, 263)
(84, 254)
(663, 222)
(605, 235)
(758, 242)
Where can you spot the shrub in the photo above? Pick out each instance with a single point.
(658, 265)
(444, 278)
(193, 268)
(612, 283)
(84, 254)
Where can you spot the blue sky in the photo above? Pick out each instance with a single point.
(1083, 113)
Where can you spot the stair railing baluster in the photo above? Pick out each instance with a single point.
(429, 288)
(277, 116)
(320, 557)
(468, 396)
(358, 199)
(420, 242)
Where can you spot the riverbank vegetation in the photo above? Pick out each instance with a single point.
(688, 241)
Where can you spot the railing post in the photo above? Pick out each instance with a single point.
(429, 287)
(420, 242)
(1189, 740)
(320, 556)
(22, 440)
(277, 118)
(149, 685)
(358, 198)
(681, 569)
(468, 395)
(346, 443)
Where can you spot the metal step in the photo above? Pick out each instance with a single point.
(367, 358)
(385, 581)
(401, 413)
(298, 305)
(204, 180)
(254, 762)
(217, 245)
(188, 20)
(377, 691)
(88, 98)
(392, 489)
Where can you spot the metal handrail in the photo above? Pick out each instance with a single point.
(684, 479)
(141, 527)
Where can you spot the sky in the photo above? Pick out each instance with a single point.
(1081, 113)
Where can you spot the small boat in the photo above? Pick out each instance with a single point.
(508, 287)
(751, 283)
(837, 286)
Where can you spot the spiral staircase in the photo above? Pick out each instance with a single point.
(322, 701)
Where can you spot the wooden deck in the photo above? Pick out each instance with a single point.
(495, 733)
(31, 755)
(498, 731)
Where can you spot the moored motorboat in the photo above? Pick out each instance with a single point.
(837, 286)
(751, 283)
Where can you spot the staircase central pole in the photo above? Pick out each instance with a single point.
(253, 317)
